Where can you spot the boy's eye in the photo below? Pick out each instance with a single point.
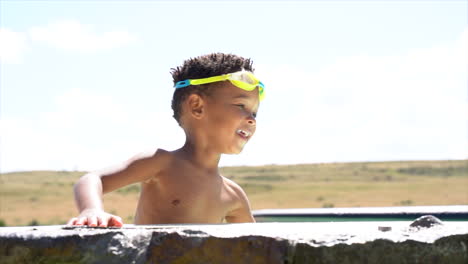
(242, 106)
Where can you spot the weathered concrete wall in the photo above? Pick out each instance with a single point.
(356, 242)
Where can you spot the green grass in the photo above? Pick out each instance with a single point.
(130, 189)
(46, 197)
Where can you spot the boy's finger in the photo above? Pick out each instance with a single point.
(92, 221)
(80, 221)
(72, 221)
(115, 221)
(101, 221)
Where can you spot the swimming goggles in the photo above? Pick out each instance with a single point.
(242, 79)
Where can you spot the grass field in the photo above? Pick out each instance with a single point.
(45, 197)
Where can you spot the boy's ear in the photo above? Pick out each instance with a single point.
(196, 105)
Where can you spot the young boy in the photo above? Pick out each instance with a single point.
(215, 101)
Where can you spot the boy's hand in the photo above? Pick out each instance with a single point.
(96, 217)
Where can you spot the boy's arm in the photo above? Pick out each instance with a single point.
(242, 212)
(90, 188)
(88, 198)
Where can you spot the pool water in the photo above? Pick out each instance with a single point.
(364, 214)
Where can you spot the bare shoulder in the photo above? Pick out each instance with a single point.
(141, 167)
(240, 212)
(151, 163)
(235, 188)
(158, 161)
(158, 157)
(153, 155)
(145, 159)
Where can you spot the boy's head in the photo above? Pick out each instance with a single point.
(205, 66)
(217, 97)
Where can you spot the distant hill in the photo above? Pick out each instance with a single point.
(46, 197)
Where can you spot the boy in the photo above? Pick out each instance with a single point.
(215, 101)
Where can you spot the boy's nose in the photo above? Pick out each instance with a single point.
(251, 120)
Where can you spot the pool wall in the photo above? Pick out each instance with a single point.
(282, 243)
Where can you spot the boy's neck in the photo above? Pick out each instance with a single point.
(200, 157)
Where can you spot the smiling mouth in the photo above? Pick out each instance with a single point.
(243, 133)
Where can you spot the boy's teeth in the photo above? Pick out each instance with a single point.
(242, 133)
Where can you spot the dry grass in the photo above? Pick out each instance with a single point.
(45, 197)
(355, 184)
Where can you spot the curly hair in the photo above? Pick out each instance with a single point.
(202, 67)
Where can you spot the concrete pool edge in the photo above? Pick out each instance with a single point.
(238, 243)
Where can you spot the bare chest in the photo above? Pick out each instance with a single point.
(185, 199)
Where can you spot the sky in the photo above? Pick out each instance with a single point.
(87, 84)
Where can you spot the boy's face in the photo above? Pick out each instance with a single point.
(230, 117)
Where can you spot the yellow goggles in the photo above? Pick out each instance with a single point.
(242, 79)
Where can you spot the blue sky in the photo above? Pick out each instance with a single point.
(86, 84)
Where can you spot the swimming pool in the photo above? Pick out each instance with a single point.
(398, 213)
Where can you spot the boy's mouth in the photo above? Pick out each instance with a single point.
(243, 133)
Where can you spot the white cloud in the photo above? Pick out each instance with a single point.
(72, 35)
(86, 131)
(68, 35)
(412, 106)
(12, 46)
